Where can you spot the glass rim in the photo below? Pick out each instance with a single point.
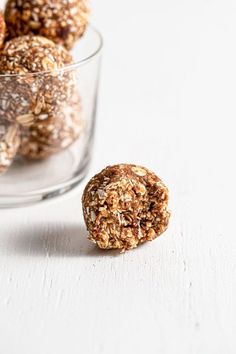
(68, 67)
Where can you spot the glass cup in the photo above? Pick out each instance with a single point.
(47, 123)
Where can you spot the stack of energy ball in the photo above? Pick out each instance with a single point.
(124, 205)
(40, 107)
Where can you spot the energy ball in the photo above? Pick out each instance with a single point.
(124, 206)
(33, 86)
(54, 134)
(2, 29)
(62, 21)
(9, 143)
(33, 54)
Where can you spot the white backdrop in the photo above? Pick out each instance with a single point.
(167, 101)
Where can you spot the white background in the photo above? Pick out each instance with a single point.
(167, 101)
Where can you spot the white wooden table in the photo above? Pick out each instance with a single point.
(168, 102)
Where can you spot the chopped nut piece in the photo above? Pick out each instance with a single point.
(62, 21)
(9, 143)
(2, 29)
(32, 92)
(124, 206)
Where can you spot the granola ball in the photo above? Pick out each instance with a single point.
(63, 21)
(53, 134)
(33, 86)
(2, 29)
(124, 206)
(9, 143)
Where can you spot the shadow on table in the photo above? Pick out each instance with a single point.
(55, 240)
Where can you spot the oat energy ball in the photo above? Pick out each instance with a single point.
(9, 143)
(124, 206)
(53, 134)
(38, 87)
(63, 21)
(2, 29)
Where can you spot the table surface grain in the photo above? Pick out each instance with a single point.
(167, 101)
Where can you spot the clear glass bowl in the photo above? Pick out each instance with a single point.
(55, 150)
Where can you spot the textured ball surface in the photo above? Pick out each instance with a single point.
(9, 143)
(54, 134)
(32, 54)
(2, 29)
(38, 87)
(63, 21)
(124, 206)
